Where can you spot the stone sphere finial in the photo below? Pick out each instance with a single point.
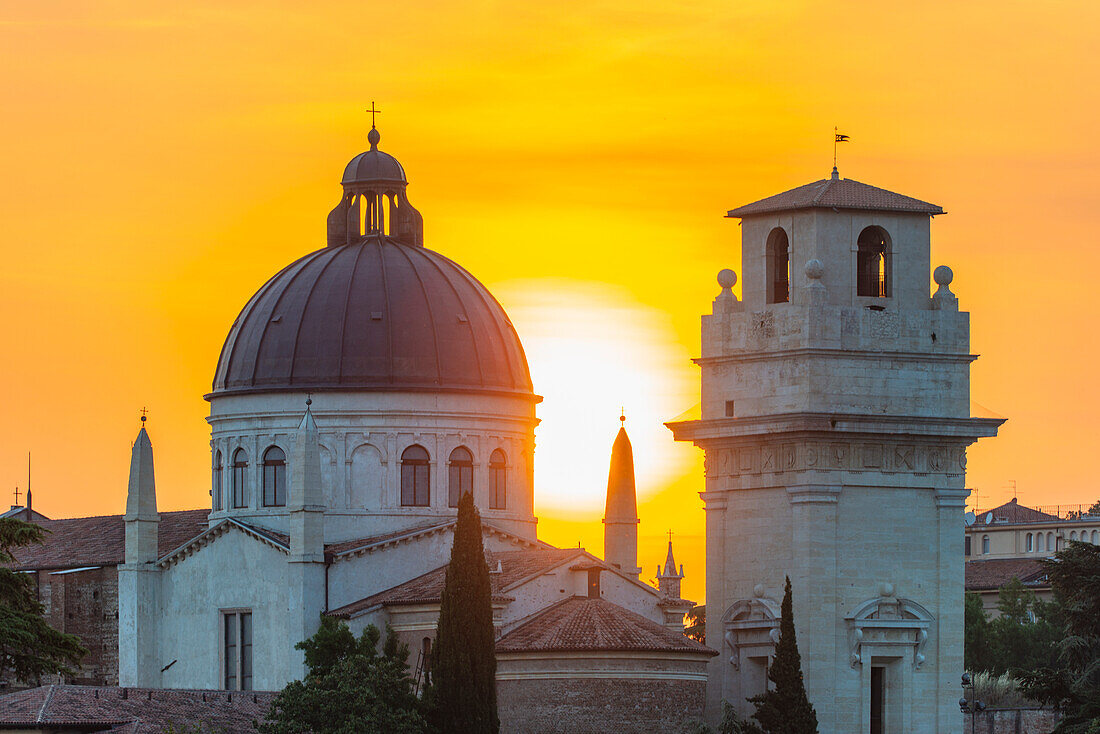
(814, 269)
(943, 275)
(727, 278)
(373, 137)
(885, 589)
(758, 591)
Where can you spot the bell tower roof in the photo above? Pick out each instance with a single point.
(836, 193)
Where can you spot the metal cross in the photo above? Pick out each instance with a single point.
(144, 413)
(670, 537)
(373, 112)
(17, 496)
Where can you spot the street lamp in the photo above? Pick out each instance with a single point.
(970, 706)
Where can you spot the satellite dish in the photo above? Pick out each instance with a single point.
(988, 518)
(968, 519)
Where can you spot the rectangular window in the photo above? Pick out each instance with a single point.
(237, 650)
(966, 545)
(240, 496)
(460, 481)
(217, 487)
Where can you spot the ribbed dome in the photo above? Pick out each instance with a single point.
(373, 315)
(373, 166)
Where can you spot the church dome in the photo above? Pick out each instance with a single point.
(375, 314)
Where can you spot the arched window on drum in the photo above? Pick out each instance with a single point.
(237, 480)
(216, 489)
(498, 481)
(460, 475)
(274, 477)
(416, 488)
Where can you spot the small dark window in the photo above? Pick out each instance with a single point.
(217, 481)
(594, 583)
(237, 479)
(460, 475)
(778, 266)
(498, 481)
(274, 477)
(873, 263)
(966, 545)
(415, 477)
(729, 409)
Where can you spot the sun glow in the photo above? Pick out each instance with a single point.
(593, 351)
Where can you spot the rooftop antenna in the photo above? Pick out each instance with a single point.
(1012, 483)
(28, 480)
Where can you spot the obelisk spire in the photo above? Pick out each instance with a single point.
(620, 532)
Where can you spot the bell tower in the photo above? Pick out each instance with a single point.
(835, 418)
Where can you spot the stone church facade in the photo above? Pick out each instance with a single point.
(359, 394)
(835, 418)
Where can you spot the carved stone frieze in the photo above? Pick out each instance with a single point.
(852, 456)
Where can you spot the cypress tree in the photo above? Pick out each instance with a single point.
(785, 709)
(464, 698)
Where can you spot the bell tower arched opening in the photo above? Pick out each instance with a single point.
(778, 268)
(873, 263)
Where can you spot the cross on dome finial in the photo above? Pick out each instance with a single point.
(373, 136)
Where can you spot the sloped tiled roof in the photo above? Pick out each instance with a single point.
(1012, 512)
(581, 623)
(101, 541)
(427, 589)
(352, 546)
(836, 193)
(992, 574)
(132, 710)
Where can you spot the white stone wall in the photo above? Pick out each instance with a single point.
(363, 435)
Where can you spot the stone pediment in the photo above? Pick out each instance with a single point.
(276, 540)
(889, 622)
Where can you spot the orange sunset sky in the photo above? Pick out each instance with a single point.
(161, 161)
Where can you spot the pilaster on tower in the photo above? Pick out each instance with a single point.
(620, 531)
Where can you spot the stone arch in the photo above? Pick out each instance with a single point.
(889, 622)
(874, 258)
(777, 267)
(366, 477)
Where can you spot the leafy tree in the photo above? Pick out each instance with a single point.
(1074, 686)
(350, 688)
(464, 694)
(1095, 509)
(29, 647)
(696, 627)
(976, 654)
(786, 709)
(1026, 634)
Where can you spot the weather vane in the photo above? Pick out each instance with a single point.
(373, 112)
(837, 138)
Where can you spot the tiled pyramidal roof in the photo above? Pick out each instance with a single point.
(584, 623)
(836, 193)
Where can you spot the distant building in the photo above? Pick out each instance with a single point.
(1007, 542)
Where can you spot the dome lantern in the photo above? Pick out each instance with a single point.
(374, 201)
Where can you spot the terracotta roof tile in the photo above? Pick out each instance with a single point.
(1012, 512)
(348, 546)
(133, 710)
(428, 588)
(994, 573)
(841, 193)
(101, 541)
(583, 623)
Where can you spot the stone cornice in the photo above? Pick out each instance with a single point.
(960, 429)
(869, 355)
